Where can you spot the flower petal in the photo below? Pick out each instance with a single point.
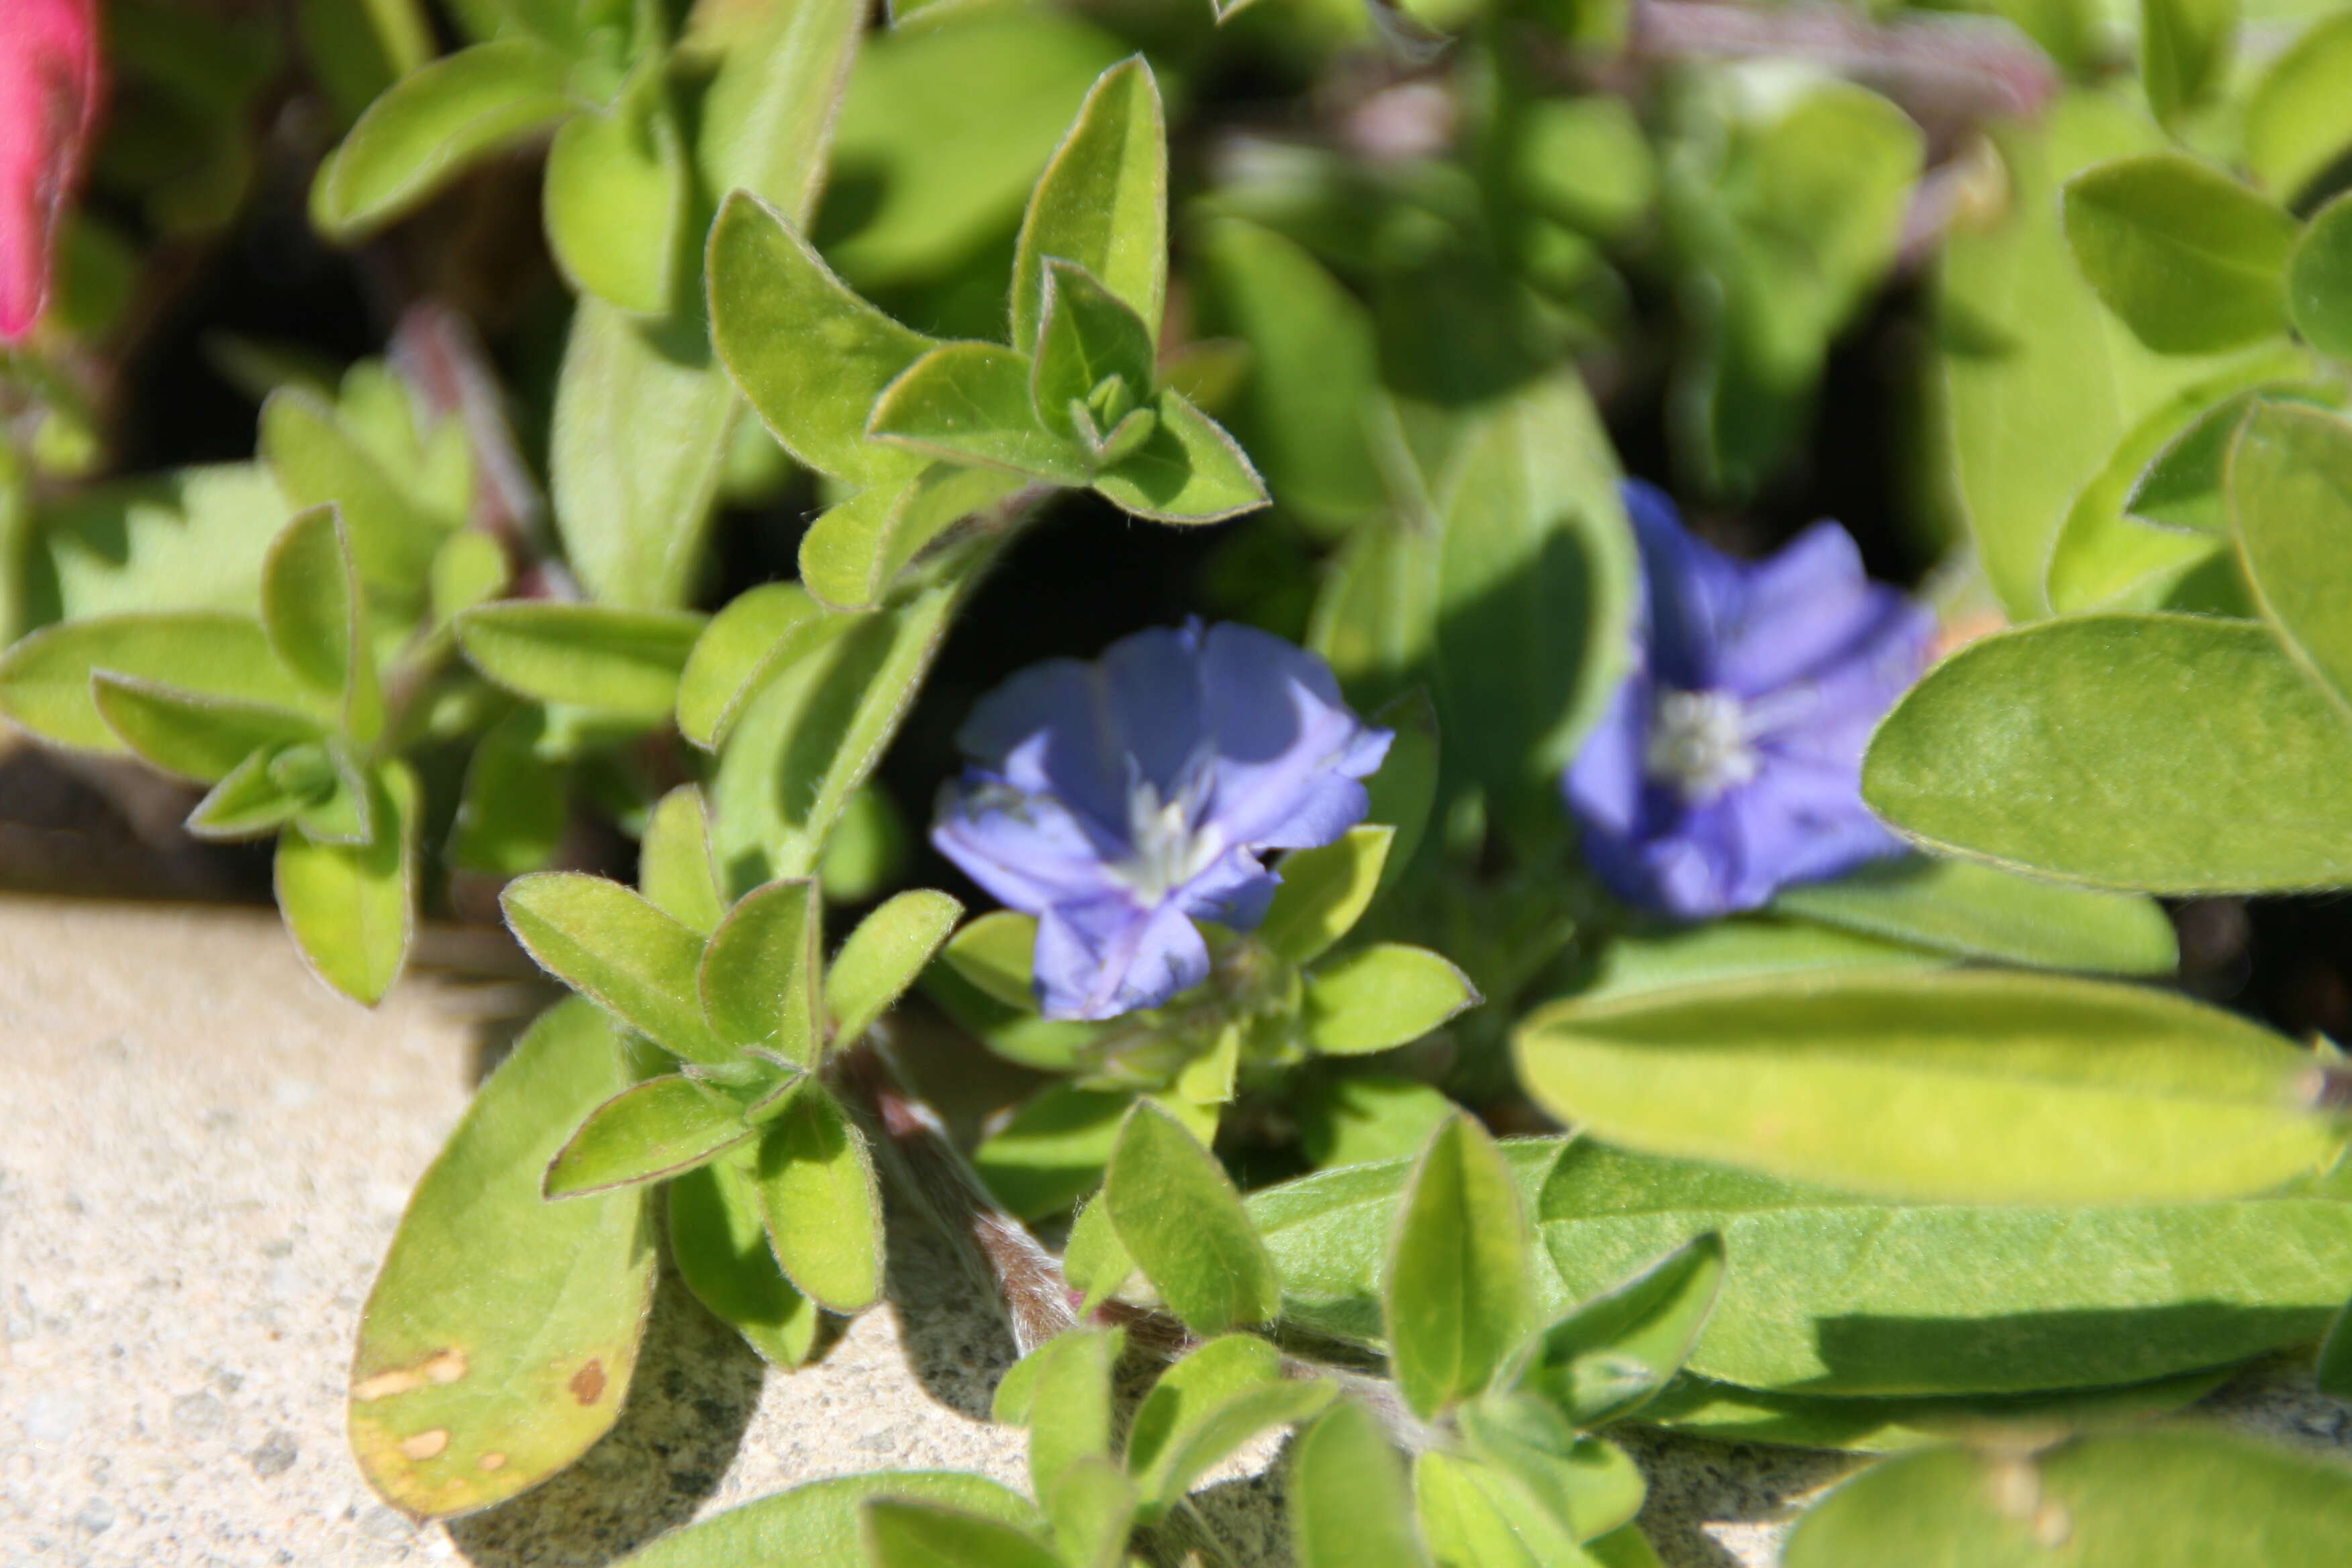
(1103, 957)
(1288, 750)
(49, 83)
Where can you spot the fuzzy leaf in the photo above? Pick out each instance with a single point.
(617, 191)
(755, 637)
(1347, 1496)
(823, 1206)
(969, 403)
(674, 868)
(662, 1127)
(2290, 490)
(1102, 203)
(1614, 1352)
(1187, 470)
(900, 1534)
(761, 976)
(882, 958)
(1178, 1216)
(611, 946)
(314, 613)
(820, 1523)
(2190, 259)
(199, 738)
(352, 908)
(1459, 1294)
(719, 1243)
(1324, 892)
(1982, 912)
(1088, 335)
(627, 663)
(45, 679)
(854, 551)
(1380, 996)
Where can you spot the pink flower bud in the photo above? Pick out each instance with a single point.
(48, 99)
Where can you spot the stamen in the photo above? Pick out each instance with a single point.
(1699, 743)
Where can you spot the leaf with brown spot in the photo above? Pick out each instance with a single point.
(499, 1341)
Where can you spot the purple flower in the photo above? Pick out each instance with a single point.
(1729, 765)
(1119, 802)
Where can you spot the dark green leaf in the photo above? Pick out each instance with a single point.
(2319, 281)
(2181, 488)
(662, 1127)
(1178, 1216)
(1102, 203)
(2190, 259)
(719, 1243)
(1187, 470)
(1089, 335)
(1349, 1497)
(1982, 912)
(1054, 1148)
(926, 1535)
(1833, 1294)
(1613, 1353)
(1737, 949)
(2144, 1499)
(969, 403)
(611, 946)
(503, 1324)
(1459, 1295)
(2191, 755)
(1406, 789)
(515, 801)
(823, 1206)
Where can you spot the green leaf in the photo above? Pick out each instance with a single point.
(852, 551)
(1405, 788)
(469, 568)
(432, 125)
(969, 403)
(823, 1205)
(395, 520)
(1347, 1496)
(719, 1243)
(1966, 1086)
(1368, 1116)
(1102, 203)
(1833, 1294)
(1053, 1150)
(1330, 1237)
(674, 868)
(810, 355)
(352, 908)
(994, 953)
(1093, 1510)
(1324, 892)
(2181, 488)
(501, 1324)
(515, 801)
(250, 800)
(1094, 1262)
(1475, 1518)
(1536, 593)
(199, 738)
(759, 634)
(1459, 1296)
(1736, 948)
(2319, 281)
(1893, 1425)
(2289, 489)
(1207, 1434)
(1178, 1216)
(1380, 996)
(618, 193)
(1375, 619)
(617, 949)
(2040, 382)
(1981, 911)
(806, 744)
(2185, 48)
(314, 615)
(1182, 1400)
(1065, 1403)
(189, 539)
(2140, 1500)
(2190, 259)
(882, 958)
(1089, 336)
(2192, 754)
(645, 416)
(926, 1535)
(2298, 120)
(762, 977)
(1611, 1355)
(1587, 1486)
(45, 679)
(662, 1127)
(625, 663)
(1187, 470)
(1314, 376)
(2335, 1369)
(819, 1524)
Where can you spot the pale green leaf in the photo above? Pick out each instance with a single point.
(993, 952)
(900, 1534)
(719, 1243)
(674, 868)
(352, 908)
(761, 976)
(882, 957)
(1367, 1116)
(2193, 261)
(1475, 1518)
(1963, 1086)
(1349, 1494)
(2319, 281)
(823, 1204)
(2170, 753)
(1736, 948)
(1380, 996)
(45, 679)
(2290, 490)
(1087, 337)
(618, 193)
(2298, 121)
(1187, 470)
(614, 947)
(1178, 1216)
(1065, 1403)
(314, 613)
(2185, 49)
(501, 1324)
(1982, 912)
(1613, 1353)
(1324, 892)
(395, 520)
(662, 1127)
(1101, 203)
(622, 662)
(819, 1524)
(1459, 1296)
(199, 738)
(754, 638)
(1588, 1487)
(854, 551)
(969, 403)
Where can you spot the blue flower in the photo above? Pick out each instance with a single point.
(1729, 765)
(1121, 801)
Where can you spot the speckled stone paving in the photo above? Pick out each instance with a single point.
(202, 1156)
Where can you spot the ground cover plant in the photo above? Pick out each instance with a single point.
(1261, 572)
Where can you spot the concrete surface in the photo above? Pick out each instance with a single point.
(203, 1154)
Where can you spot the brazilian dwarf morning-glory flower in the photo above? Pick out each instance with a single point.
(1121, 801)
(1729, 765)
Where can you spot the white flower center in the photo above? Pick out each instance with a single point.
(1169, 851)
(1699, 743)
